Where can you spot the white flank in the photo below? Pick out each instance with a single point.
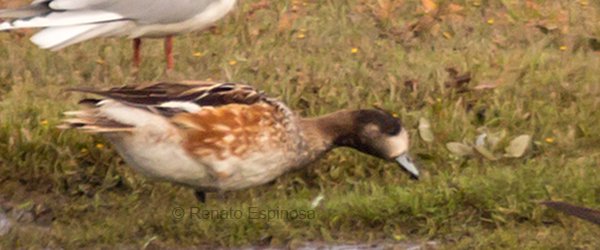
(158, 154)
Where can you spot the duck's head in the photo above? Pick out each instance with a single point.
(378, 133)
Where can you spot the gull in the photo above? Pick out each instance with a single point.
(66, 22)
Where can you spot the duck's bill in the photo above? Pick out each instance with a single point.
(406, 163)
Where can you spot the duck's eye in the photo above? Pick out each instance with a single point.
(391, 132)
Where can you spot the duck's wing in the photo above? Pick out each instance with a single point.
(123, 108)
(168, 99)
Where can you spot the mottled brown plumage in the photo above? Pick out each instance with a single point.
(227, 136)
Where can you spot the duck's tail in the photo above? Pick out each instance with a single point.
(92, 120)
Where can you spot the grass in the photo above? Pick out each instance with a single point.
(538, 59)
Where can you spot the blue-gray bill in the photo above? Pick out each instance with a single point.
(405, 161)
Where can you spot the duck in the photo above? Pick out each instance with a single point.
(217, 137)
(67, 22)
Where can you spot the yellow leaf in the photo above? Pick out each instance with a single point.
(425, 130)
(459, 149)
(517, 147)
(429, 5)
(285, 21)
(453, 8)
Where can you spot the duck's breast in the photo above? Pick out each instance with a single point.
(242, 145)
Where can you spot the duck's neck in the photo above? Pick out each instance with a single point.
(326, 132)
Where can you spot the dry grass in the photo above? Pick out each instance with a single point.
(533, 69)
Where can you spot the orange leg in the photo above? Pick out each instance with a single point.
(137, 58)
(169, 52)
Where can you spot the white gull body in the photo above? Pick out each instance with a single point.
(67, 22)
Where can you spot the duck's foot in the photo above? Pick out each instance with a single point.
(200, 196)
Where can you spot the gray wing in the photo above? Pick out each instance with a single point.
(140, 11)
(37, 7)
(150, 11)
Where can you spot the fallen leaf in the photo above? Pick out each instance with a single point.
(316, 201)
(484, 86)
(416, 28)
(517, 147)
(264, 4)
(425, 130)
(546, 28)
(459, 149)
(453, 8)
(532, 5)
(485, 153)
(411, 84)
(286, 20)
(480, 141)
(457, 81)
(429, 5)
(494, 139)
(384, 9)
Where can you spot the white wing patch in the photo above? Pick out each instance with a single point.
(73, 4)
(187, 106)
(132, 116)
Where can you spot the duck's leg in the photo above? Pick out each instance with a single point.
(137, 58)
(200, 196)
(169, 52)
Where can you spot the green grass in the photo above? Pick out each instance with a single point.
(81, 194)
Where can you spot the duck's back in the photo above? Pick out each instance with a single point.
(214, 136)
